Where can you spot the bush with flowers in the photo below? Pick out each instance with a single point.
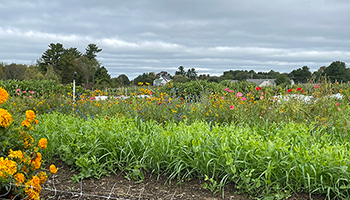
(21, 175)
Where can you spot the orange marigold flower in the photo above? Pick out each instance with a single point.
(26, 123)
(3, 95)
(16, 154)
(36, 181)
(5, 118)
(42, 143)
(38, 156)
(7, 167)
(19, 178)
(43, 177)
(36, 164)
(36, 122)
(30, 115)
(31, 191)
(53, 169)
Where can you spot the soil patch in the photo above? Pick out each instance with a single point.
(116, 186)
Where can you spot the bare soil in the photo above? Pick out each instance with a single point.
(116, 186)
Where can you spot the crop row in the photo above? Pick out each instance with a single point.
(273, 158)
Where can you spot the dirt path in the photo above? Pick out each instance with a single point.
(118, 187)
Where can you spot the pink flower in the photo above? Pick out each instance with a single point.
(30, 96)
(92, 98)
(24, 92)
(150, 93)
(18, 90)
(337, 104)
(269, 107)
(226, 89)
(222, 97)
(339, 109)
(230, 91)
(239, 94)
(231, 107)
(31, 92)
(316, 86)
(262, 93)
(243, 99)
(17, 93)
(261, 97)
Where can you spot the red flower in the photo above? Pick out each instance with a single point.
(130, 102)
(299, 88)
(159, 103)
(258, 88)
(302, 91)
(289, 90)
(181, 99)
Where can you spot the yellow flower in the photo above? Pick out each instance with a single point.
(3, 95)
(7, 167)
(43, 177)
(31, 190)
(30, 115)
(53, 169)
(340, 90)
(19, 178)
(26, 123)
(5, 118)
(36, 164)
(36, 181)
(16, 154)
(42, 143)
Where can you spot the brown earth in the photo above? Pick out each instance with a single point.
(116, 186)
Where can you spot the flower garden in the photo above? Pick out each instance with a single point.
(221, 133)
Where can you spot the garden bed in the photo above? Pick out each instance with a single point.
(116, 186)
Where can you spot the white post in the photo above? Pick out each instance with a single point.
(75, 74)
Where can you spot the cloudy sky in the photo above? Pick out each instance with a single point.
(212, 36)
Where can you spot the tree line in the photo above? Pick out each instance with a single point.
(58, 63)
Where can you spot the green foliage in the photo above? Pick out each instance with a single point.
(301, 75)
(282, 80)
(180, 79)
(260, 158)
(124, 80)
(337, 71)
(102, 78)
(145, 78)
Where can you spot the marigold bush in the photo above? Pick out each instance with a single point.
(21, 174)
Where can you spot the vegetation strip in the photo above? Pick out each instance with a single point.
(275, 158)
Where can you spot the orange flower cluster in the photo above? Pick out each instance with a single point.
(5, 118)
(53, 169)
(30, 118)
(23, 167)
(7, 167)
(42, 143)
(3, 95)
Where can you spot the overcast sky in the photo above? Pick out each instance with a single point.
(212, 36)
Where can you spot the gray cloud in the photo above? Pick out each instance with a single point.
(155, 35)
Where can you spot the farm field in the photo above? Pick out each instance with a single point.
(226, 137)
